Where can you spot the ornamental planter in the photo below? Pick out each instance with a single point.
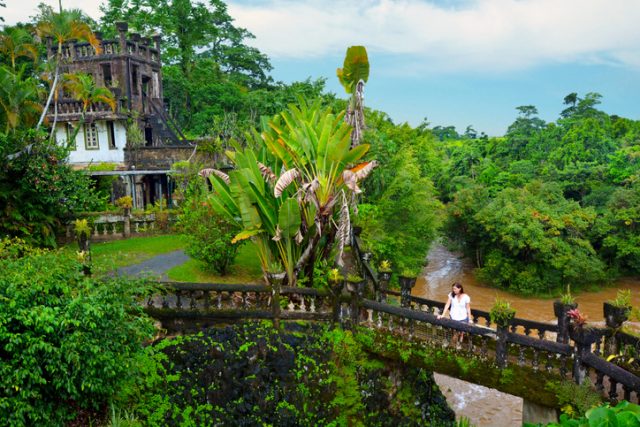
(406, 284)
(356, 287)
(584, 336)
(560, 310)
(614, 315)
(384, 276)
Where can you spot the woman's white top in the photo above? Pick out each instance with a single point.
(458, 308)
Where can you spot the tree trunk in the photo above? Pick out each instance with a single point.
(53, 88)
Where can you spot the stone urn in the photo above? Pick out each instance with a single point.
(615, 315)
(583, 335)
(406, 285)
(560, 310)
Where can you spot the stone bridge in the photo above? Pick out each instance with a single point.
(532, 351)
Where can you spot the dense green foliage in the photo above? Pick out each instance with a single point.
(68, 344)
(209, 235)
(400, 187)
(251, 374)
(622, 414)
(549, 204)
(38, 189)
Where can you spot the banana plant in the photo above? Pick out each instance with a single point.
(289, 182)
(353, 76)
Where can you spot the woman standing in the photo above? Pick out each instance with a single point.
(459, 307)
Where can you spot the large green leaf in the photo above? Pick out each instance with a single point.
(355, 68)
(289, 218)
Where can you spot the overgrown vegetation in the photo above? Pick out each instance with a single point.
(251, 374)
(68, 344)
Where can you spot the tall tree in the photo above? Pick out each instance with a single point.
(194, 29)
(16, 42)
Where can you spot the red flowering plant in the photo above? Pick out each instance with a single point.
(577, 318)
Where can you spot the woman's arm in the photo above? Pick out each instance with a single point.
(446, 307)
(469, 312)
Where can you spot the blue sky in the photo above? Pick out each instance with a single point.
(456, 62)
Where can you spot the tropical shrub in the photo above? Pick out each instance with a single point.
(292, 186)
(209, 235)
(38, 190)
(68, 343)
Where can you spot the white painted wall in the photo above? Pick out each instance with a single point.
(104, 154)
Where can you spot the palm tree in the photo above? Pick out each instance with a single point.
(18, 100)
(82, 88)
(16, 42)
(63, 27)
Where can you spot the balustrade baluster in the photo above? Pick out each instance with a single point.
(68, 231)
(600, 382)
(379, 324)
(245, 302)
(206, 300)
(513, 328)
(114, 228)
(527, 330)
(541, 333)
(613, 391)
(549, 365)
(303, 307)
(627, 393)
(313, 305)
(563, 366)
(390, 324)
(521, 358)
(487, 322)
(219, 302)
(369, 316)
(534, 361)
(411, 330)
(598, 347)
(165, 303)
(95, 230)
(137, 226)
(178, 300)
(483, 348)
(105, 228)
(291, 306)
(193, 303)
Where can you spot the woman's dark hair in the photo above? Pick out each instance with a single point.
(459, 286)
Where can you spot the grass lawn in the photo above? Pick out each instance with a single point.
(245, 269)
(107, 256)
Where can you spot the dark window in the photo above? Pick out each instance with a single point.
(148, 136)
(134, 80)
(111, 135)
(146, 82)
(106, 74)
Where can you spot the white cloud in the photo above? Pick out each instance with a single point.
(22, 10)
(476, 34)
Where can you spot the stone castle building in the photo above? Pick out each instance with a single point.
(138, 138)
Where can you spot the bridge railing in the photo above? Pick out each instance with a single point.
(179, 304)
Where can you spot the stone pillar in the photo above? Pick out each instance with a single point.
(406, 284)
(561, 310)
(122, 27)
(384, 277)
(336, 290)
(583, 337)
(501, 346)
(356, 290)
(275, 281)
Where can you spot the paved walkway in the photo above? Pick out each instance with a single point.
(156, 266)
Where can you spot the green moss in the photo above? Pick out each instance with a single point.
(515, 380)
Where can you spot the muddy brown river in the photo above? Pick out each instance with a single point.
(476, 402)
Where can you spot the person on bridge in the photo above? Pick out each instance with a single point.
(459, 308)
